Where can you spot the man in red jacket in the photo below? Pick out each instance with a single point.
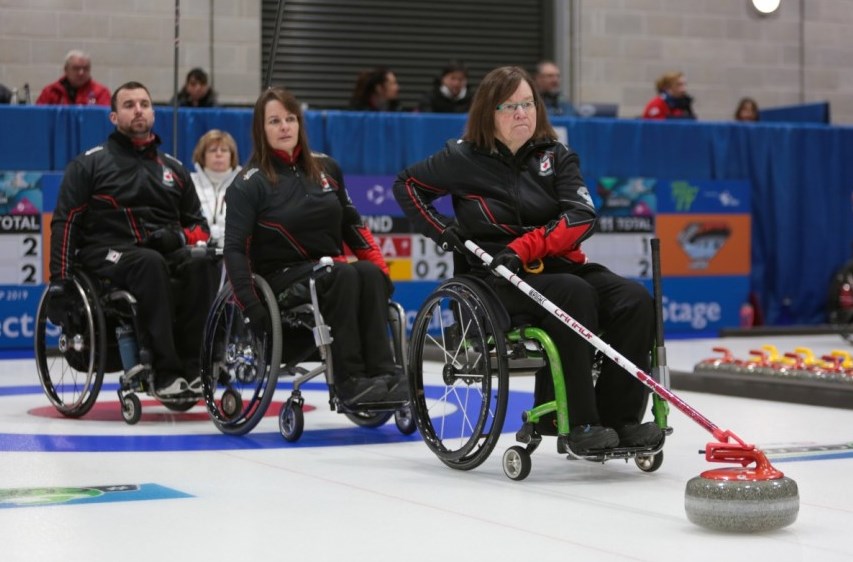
(77, 86)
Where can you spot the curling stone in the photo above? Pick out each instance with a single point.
(742, 500)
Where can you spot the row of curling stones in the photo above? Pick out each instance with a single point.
(837, 366)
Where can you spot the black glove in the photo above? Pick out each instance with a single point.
(256, 318)
(508, 259)
(453, 238)
(166, 239)
(58, 301)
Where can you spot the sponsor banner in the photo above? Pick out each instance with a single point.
(704, 244)
(18, 305)
(625, 197)
(637, 196)
(707, 196)
(374, 195)
(702, 306)
(21, 193)
(412, 295)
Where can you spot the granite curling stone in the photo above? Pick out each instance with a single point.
(737, 500)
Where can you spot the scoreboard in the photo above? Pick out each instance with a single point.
(21, 248)
(22, 252)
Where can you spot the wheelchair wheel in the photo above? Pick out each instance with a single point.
(517, 463)
(71, 358)
(369, 419)
(649, 463)
(239, 369)
(131, 409)
(405, 421)
(291, 421)
(457, 349)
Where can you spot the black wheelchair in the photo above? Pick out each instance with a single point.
(73, 357)
(464, 347)
(241, 369)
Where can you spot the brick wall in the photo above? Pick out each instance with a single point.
(133, 40)
(723, 47)
(725, 50)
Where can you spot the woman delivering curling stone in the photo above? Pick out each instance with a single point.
(518, 192)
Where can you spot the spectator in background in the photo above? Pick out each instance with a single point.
(672, 100)
(547, 81)
(376, 90)
(747, 110)
(450, 93)
(216, 163)
(5, 94)
(197, 91)
(77, 86)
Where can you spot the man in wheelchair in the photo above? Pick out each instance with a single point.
(518, 192)
(128, 213)
(286, 210)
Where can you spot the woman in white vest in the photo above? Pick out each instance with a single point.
(216, 163)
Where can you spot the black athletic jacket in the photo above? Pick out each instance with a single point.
(270, 227)
(535, 201)
(115, 195)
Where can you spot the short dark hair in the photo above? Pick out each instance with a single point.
(497, 86)
(454, 65)
(198, 75)
(126, 86)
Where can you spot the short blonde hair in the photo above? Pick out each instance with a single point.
(668, 80)
(212, 137)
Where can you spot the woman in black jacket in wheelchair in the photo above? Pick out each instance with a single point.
(519, 193)
(287, 209)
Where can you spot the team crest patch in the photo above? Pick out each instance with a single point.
(168, 177)
(113, 256)
(546, 166)
(324, 181)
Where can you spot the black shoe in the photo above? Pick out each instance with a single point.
(194, 384)
(640, 435)
(171, 386)
(585, 438)
(398, 386)
(354, 390)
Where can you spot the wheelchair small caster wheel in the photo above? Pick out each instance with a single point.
(517, 463)
(231, 404)
(405, 420)
(291, 421)
(131, 409)
(649, 463)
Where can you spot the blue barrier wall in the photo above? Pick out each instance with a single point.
(801, 175)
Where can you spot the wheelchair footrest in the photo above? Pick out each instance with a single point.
(368, 407)
(603, 455)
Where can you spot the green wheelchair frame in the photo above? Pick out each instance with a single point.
(463, 320)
